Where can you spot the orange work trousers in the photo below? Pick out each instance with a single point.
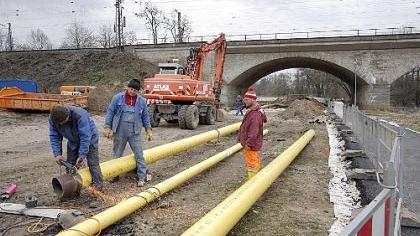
(253, 160)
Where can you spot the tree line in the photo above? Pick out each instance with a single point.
(405, 92)
(160, 24)
(303, 81)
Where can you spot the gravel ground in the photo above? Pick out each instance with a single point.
(296, 204)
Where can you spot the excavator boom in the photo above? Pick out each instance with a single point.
(196, 61)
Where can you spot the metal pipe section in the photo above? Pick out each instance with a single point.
(224, 216)
(126, 164)
(96, 223)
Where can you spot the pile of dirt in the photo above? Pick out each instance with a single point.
(288, 99)
(52, 69)
(100, 98)
(305, 109)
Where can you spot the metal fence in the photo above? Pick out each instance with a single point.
(291, 35)
(383, 143)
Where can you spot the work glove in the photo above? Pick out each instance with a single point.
(58, 159)
(107, 133)
(149, 134)
(80, 162)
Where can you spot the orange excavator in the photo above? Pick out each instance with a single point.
(181, 95)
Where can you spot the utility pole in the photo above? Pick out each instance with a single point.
(325, 85)
(9, 37)
(355, 87)
(119, 24)
(179, 28)
(417, 87)
(355, 81)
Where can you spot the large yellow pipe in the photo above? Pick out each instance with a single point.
(113, 214)
(126, 164)
(224, 216)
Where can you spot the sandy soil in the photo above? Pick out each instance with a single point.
(296, 204)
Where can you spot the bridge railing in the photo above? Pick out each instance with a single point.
(291, 35)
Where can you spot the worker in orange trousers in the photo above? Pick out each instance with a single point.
(251, 132)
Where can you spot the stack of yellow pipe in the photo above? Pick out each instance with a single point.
(223, 217)
(112, 215)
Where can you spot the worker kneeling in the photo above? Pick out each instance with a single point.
(76, 125)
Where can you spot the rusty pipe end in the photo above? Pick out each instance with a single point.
(66, 186)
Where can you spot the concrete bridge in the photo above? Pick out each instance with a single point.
(369, 63)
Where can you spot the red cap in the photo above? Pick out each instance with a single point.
(250, 94)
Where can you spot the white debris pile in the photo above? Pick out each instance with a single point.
(343, 193)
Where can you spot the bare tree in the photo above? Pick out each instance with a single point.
(3, 39)
(78, 36)
(405, 91)
(303, 81)
(170, 23)
(153, 17)
(38, 40)
(130, 38)
(106, 37)
(320, 84)
(276, 84)
(22, 46)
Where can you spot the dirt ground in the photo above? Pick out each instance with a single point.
(296, 204)
(403, 118)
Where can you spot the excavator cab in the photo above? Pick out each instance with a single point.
(171, 69)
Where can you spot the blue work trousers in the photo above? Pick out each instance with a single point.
(126, 133)
(239, 110)
(92, 162)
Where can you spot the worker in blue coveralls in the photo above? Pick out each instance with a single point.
(125, 117)
(76, 125)
(239, 105)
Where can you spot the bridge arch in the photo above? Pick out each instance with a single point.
(255, 73)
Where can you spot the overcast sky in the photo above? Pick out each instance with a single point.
(210, 17)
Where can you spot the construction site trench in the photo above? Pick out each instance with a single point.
(296, 204)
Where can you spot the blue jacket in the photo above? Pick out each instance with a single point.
(79, 130)
(239, 102)
(115, 110)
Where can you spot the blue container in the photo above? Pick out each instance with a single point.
(29, 86)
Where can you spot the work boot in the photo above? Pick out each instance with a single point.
(99, 188)
(141, 183)
(115, 179)
(148, 177)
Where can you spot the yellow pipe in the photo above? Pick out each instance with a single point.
(126, 164)
(113, 214)
(224, 216)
